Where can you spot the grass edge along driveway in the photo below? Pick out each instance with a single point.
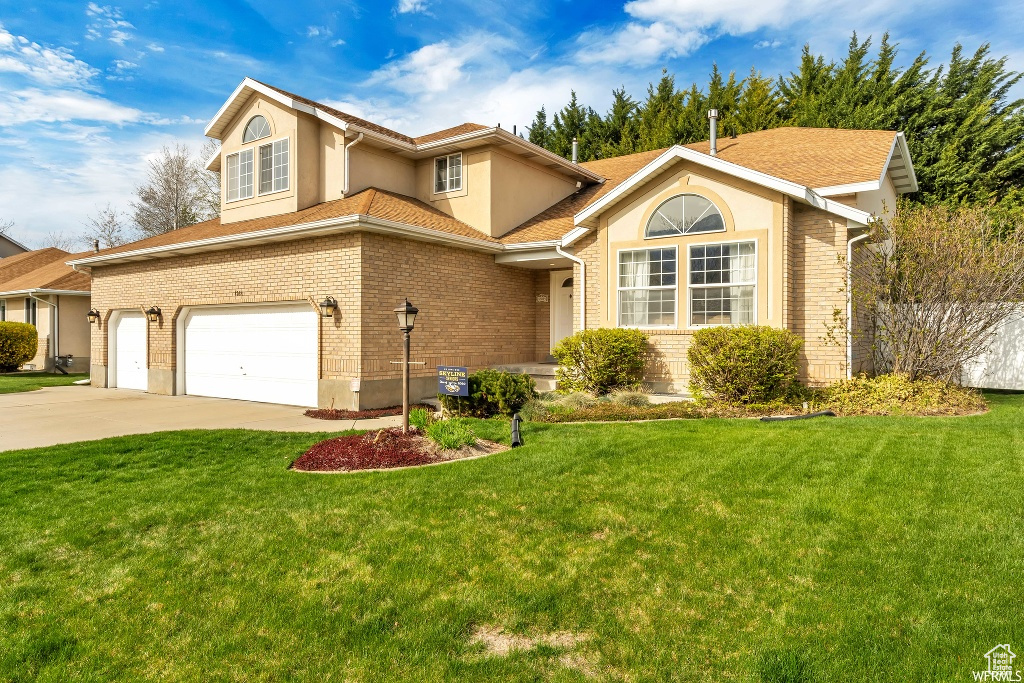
(868, 549)
(31, 381)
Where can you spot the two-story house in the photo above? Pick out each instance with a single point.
(503, 246)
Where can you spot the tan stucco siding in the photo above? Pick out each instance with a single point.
(371, 167)
(521, 190)
(284, 123)
(471, 203)
(74, 336)
(881, 202)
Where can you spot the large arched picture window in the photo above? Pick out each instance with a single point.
(685, 214)
(256, 128)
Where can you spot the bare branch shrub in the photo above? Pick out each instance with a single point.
(937, 283)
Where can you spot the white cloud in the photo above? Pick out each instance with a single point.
(437, 67)
(33, 104)
(337, 43)
(108, 20)
(318, 32)
(769, 44)
(638, 44)
(43, 65)
(411, 6)
(153, 47)
(121, 70)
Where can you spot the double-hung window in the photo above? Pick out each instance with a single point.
(239, 175)
(30, 310)
(274, 166)
(448, 173)
(721, 283)
(647, 287)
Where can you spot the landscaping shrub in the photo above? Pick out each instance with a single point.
(897, 394)
(743, 364)
(633, 399)
(598, 361)
(421, 418)
(574, 400)
(19, 343)
(609, 411)
(451, 434)
(492, 392)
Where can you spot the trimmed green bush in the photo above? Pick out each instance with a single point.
(492, 392)
(744, 364)
(451, 434)
(19, 343)
(632, 399)
(602, 360)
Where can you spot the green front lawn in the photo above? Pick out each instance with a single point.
(860, 549)
(30, 381)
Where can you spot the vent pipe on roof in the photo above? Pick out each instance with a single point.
(96, 246)
(575, 151)
(713, 118)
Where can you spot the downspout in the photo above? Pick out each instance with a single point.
(849, 303)
(583, 283)
(348, 146)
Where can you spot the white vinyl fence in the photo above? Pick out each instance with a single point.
(1002, 366)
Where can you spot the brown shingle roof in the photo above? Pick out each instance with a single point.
(814, 157)
(557, 220)
(461, 129)
(370, 202)
(41, 269)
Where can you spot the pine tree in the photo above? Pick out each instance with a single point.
(540, 131)
(759, 106)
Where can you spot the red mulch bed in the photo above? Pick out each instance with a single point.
(338, 414)
(383, 449)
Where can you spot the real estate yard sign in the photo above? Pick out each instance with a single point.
(452, 381)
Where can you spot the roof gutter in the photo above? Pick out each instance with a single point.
(348, 146)
(45, 292)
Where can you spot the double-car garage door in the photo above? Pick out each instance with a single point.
(252, 353)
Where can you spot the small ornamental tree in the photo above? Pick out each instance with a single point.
(936, 284)
(19, 343)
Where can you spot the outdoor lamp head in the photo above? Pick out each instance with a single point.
(328, 306)
(406, 316)
(153, 314)
(93, 316)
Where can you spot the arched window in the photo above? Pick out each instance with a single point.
(568, 282)
(685, 214)
(256, 128)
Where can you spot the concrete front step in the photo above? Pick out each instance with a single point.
(543, 373)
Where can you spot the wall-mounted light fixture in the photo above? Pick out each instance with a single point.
(328, 307)
(93, 316)
(153, 314)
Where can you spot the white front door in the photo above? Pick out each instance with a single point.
(129, 351)
(561, 305)
(253, 353)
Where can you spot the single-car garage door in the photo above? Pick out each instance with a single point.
(129, 351)
(252, 353)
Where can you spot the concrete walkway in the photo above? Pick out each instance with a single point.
(57, 415)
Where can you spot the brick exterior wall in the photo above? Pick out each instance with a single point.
(542, 314)
(817, 275)
(473, 312)
(587, 248)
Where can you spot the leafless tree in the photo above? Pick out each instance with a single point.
(174, 195)
(61, 240)
(209, 180)
(106, 226)
(936, 284)
(6, 225)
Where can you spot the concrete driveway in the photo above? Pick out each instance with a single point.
(57, 415)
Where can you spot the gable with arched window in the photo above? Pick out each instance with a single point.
(685, 214)
(257, 129)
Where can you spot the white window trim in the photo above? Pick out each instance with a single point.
(255, 176)
(685, 234)
(757, 268)
(433, 173)
(257, 168)
(269, 134)
(619, 289)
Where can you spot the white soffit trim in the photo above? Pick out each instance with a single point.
(215, 129)
(573, 235)
(904, 179)
(50, 292)
(849, 188)
(588, 216)
(350, 223)
(213, 162)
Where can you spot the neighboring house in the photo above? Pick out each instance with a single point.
(496, 240)
(38, 287)
(8, 247)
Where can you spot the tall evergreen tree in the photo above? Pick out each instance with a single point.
(540, 131)
(759, 106)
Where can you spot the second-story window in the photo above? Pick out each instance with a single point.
(274, 166)
(448, 173)
(239, 175)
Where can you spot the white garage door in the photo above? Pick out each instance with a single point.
(253, 353)
(130, 352)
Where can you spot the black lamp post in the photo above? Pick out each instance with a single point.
(328, 306)
(153, 314)
(93, 316)
(406, 321)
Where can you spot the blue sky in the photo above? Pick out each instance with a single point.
(90, 91)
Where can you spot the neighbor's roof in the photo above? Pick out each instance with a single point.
(554, 222)
(42, 269)
(813, 157)
(372, 203)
